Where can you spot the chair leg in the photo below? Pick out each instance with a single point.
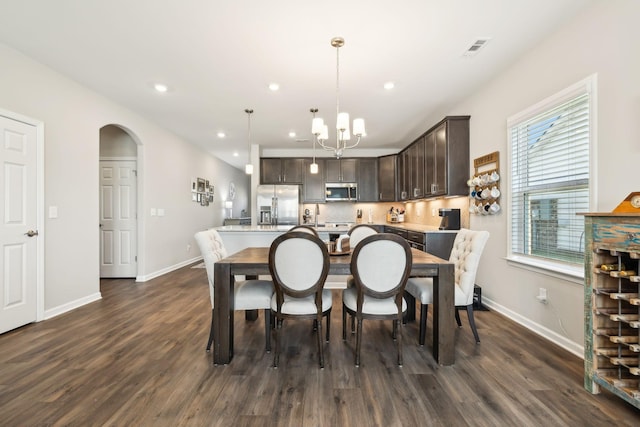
(210, 334)
(320, 343)
(267, 329)
(472, 322)
(424, 310)
(276, 336)
(328, 325)
(358, 340)
(399, 339)
(344, 323)
(458, 318)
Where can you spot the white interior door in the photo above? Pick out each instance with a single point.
(18, 224)
(118, 218)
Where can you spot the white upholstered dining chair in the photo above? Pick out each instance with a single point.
(380, 265)
(247, 295)
(299, 264)
(359, 232)
(356, 234)
(465, 254)
(305, 229)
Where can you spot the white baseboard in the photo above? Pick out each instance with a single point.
(53, 312)
(167, 269)
(570, 346)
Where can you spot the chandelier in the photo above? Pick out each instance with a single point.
(343, 135)
(248, 168)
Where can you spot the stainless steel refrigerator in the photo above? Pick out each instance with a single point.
(278, 204)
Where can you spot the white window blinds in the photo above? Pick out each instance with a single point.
(550, 180)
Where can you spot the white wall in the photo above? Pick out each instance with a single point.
(605, 40)
(73, 116)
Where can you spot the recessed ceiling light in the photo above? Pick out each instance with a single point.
(389, 85)
(162, 88)
(274, 86)
(292, 134)
(221, 135)
(235, 154)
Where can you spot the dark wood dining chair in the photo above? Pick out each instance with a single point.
(299, 264)
(356, 234)
(305, 229)
(380, 265)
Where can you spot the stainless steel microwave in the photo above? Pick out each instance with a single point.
(341, 192)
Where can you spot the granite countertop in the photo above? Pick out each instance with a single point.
(279, 228)
(253, 228)
(331, 228)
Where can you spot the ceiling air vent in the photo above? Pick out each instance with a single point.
(476, 46)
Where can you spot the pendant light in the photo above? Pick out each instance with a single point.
(314, 166)
(248, 168)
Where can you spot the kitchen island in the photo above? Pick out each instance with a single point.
(239, 237)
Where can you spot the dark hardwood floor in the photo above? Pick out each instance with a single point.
(137, 358)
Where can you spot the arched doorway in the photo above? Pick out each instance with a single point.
(118, 195)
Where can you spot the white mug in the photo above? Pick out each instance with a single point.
(486, 193)
(495, 193)
(494, 208)
(494, 176)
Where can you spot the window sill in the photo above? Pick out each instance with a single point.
(562, 271)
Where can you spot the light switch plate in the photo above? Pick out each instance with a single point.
(53, 212)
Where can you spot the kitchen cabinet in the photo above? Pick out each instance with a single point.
(341, 170)
(313, 184)
(438, 243)
(417, 172)
(612, 304)
(404, 172)
(387, 178)
(367, 179)
(281, 171)
(447, 158)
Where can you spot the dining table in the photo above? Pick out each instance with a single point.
(254, 261)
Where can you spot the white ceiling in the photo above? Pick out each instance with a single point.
(218, 58)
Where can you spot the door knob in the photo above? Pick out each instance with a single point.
(31, 233)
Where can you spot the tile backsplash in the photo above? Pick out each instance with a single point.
(419, 212)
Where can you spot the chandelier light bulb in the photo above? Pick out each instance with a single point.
(342, 123)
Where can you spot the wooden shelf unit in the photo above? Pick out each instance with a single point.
(612, 305)
(485, 166)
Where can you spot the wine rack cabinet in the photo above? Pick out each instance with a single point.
(612, 305)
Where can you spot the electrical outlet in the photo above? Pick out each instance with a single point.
(542, 295)
(188, 247)
(433, 212)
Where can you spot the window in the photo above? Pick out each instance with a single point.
(549, 174)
